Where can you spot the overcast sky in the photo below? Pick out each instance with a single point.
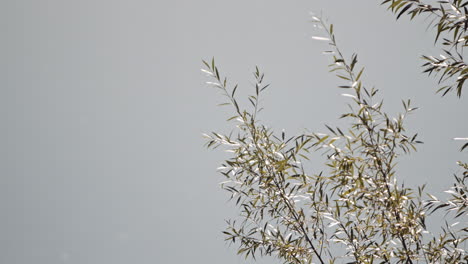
(103, 105)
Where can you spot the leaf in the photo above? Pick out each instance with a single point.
(206, 64)
(234, 91)
(231, 118)
(320, 38)
(329, 128)
(353, 62)
(359, 74)
(404, 10)
(343, 77)
(464, 147)
(264, 87)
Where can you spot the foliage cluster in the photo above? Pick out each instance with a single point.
(355, 211)
(450, 19)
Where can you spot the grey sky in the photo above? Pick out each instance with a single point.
(103, 106)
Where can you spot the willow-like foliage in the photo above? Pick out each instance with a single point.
(355, 211)
(450, 19)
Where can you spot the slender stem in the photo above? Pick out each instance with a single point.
(300, 223)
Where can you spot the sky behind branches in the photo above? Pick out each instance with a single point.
(103, 105)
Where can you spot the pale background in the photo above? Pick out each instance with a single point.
(102, 107)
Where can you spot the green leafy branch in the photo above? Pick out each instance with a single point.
(355, 211)
(450, 19)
